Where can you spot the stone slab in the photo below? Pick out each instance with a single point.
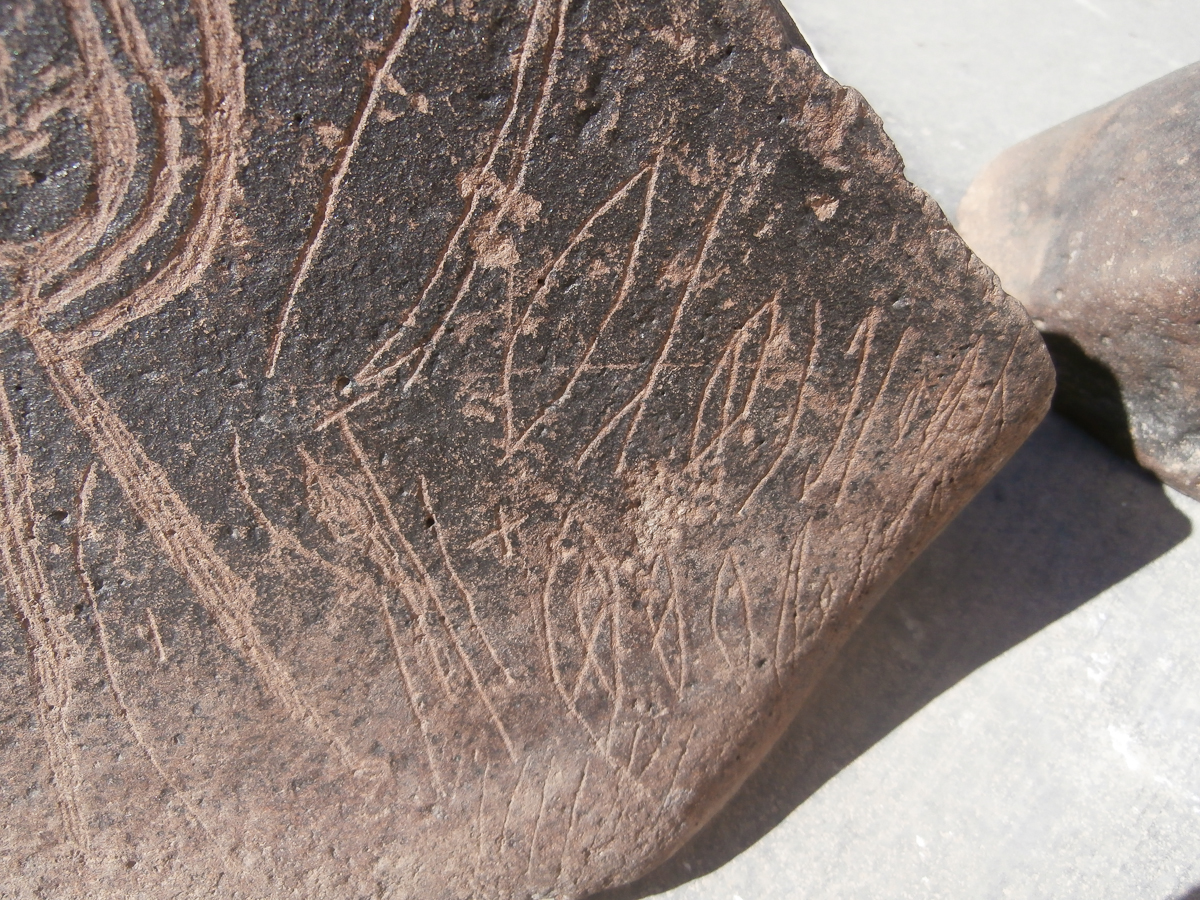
(441, 443)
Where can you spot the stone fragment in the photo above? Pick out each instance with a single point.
(441, 442)
(1095, 226)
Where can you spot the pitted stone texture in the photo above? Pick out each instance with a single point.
(440, 443)
(1095, 226)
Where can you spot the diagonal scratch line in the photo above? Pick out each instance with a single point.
(110, 668)
(622, 291)
(373, 371)
(406, 23)
(793, 422)
(394, 528)
(463, 590)
(637, 402)
(180, 535)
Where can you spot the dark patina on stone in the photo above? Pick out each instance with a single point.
(441, 442)
(1095, 226)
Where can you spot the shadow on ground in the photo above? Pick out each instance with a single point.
(1063, 521)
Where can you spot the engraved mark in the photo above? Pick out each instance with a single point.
(174, 527)
(114, 139)
(463, 590)
(406, 22)
(50, 647)
(164, 175)
(627, 275)
(636, 404)
(478, 186)
(110, 666)
(397, 534)
(224, 110)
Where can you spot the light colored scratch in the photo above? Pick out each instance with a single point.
(793, 422)
(713, 615)
(465, 592)
(110, 666)
(672, 608)
(397, 533)
(543, 619)
(950, 400)
(636, 404)
(545, 88)
(413, 699)
(747, 612)
(501, 534)
(154, 633)
(512, 800)
(282, 538)
(547, 279)
(572, 818)
(870, 415)
(406, 23)
(335, 417)
(175, 528)
(789, 597)
(664, 803)
(373, 371)
(510, 192)
(537, 822)
(427, 347)
(864, 338)
(728, 364)
(50, 646)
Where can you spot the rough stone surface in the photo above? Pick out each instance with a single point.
(1095, 226)
(441, 443)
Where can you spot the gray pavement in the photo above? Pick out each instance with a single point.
(1020, 715)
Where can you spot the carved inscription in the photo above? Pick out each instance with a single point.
(440, 442)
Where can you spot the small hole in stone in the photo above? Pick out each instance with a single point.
(39, 177)
(59, 516)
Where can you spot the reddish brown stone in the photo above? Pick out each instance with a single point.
(441, 443)
(1095, 226)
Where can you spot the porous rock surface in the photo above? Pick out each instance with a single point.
(440, 442)
(1095, 226)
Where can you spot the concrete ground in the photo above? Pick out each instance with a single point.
(1020, 716)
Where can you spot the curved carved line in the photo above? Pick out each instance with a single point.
(224, 109)
(114, 139)
(165, 174)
